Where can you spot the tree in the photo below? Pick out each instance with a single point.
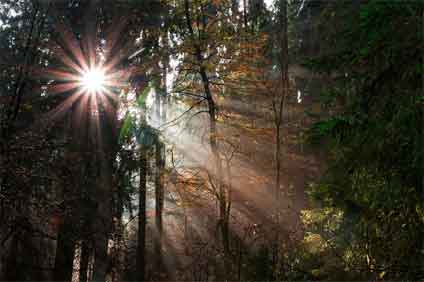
(374, 181)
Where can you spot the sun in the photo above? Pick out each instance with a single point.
(93, 80)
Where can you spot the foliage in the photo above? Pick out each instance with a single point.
(134, 124)
(375, 138)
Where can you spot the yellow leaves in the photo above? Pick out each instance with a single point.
(314, 242)
(189, 181)
(330, 217)
(258, 179)
(267, 132)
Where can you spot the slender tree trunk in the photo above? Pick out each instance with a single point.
(164, 85)
(227, 207)
(158, 95)
(84, 260)
(117, 233)
(11, 271)
(279, 109)
(245, 13)
(278, 161)
(87, 227)
(160, 165)
(159, 201)
(281, 101)
(141, 238)
(213, 140)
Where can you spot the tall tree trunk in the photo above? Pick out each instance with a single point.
(245, 14)
(159, 201)
(158, 94)
(279, 104)
(65, 249)
(84, 261)
(103, 220)
(87, 228)
(164, 84)
(100, 268)
(141, 238)
(116, 256)
(11, 271)
(106, 146)
(213, 140)
(213, 134)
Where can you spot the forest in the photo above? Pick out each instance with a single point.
(211, 140)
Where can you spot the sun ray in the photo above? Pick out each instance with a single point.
(94, 117)
(60, 110)
(110, 113)
(65, 59)
(91, 75)
(110, 94)
(71, 44)
(62, 87)
(61, 75)
(80, 117)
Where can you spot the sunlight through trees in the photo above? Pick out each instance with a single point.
(221, 140)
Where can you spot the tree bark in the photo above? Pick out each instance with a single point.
(164, 95)
(65, 249)
(141, 238)
(159, 201)
(84, 260)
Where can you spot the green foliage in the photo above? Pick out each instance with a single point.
(141, 99)
(126, 128)
(136, 126)
(375, 140)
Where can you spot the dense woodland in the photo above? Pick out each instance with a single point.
(221, 140)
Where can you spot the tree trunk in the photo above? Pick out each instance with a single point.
(141, 238)
(84, 260)
(65, 249)
(164, 85)
(284, 90)
(279, 109)
(278, 162)
(11, 269)
(245, 14)
(103, 221)
(213, 140)
(159, 200)
(158, 95)
(100, 258)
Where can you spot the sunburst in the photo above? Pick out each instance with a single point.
(89, 76)
(93, 81)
